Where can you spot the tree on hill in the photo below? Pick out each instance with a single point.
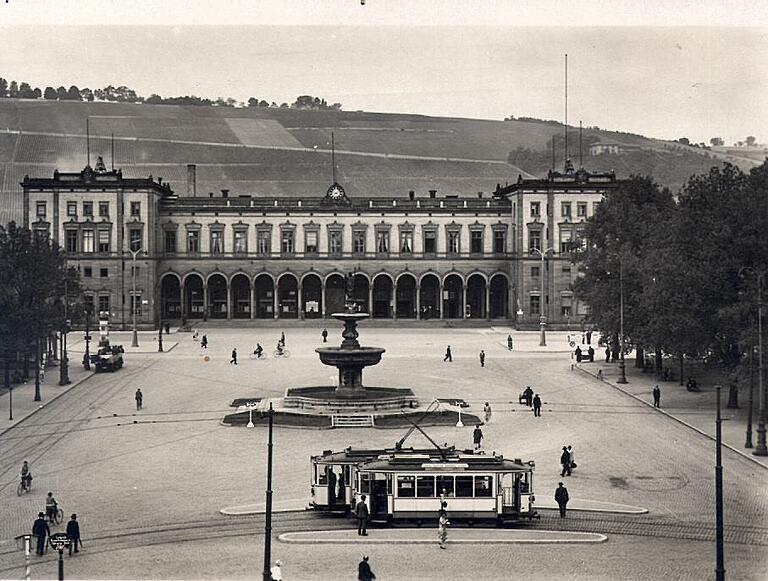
(750, 140)
(50, 94)
(3, 87)
(86, 94)
(717, 142)
(73, 94)
(61, 93)
(308, 102)
(13, 90)
(27, 92)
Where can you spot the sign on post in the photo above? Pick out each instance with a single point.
(59, 541)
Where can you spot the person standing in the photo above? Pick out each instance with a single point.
(477, 436)
(488, 412)
(364, 572)
(657, 397)
(565, 462)
(277, 571)
(578, 354)
(361, 513)
(139, 399)
(571, 461)
(41, 531)
(233, 361)
(607, 354)
(482, 358)
(528, 395)
(73, 534)
(536, 406)
(561, 497)
(325, 335)
(442, 530)
(448, 357)
(591, 354)
(204, 342)
(589, 337)
(331, 486)
(510, 345)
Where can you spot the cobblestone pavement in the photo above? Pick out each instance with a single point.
(173, 462)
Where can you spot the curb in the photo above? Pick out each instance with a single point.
(576, 538)
(675, 418)
(229, 511)
(640, 510)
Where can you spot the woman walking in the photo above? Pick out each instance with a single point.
(442, 529)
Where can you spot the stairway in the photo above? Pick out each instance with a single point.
(345, 421)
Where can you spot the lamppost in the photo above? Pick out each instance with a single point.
(64, 365)
(87, 356)
(748, 443)
(761, 449)
(622, 368)
(135, 339)
(542, 317)
(268, 513)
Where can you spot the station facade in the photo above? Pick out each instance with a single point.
(137, 244)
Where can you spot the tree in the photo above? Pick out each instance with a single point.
(717, 142)
(263, 104)
(684, 141)
(154, 99)
(253, 102)
(26, 92)
(750, 140)
(13, 90)
(61, 93)
(50, 94)
(73, 94)
(86, 94)
(37, 93)
(3, 88)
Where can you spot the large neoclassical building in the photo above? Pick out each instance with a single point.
(138, 243)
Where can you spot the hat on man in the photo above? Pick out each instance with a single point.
(40, 514)
(74, 516)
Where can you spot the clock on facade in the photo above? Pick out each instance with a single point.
(335, 194)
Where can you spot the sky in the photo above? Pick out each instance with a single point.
(665, 69)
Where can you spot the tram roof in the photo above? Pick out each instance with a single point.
(456, 461)
(355, 456)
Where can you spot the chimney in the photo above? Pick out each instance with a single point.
(433, 194)
(479, 194)
(411, 195)
(224, 193)
(191, 180)
(210, 194)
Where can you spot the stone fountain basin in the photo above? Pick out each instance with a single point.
(357, 357)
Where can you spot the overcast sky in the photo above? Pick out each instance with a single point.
(665, 69)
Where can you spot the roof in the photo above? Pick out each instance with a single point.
(454, 461)
(89, 178)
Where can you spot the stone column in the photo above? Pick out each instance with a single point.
(370, 299)
(299, 305)
(440, 301)
(275, 304)
(464, 301)
(229, 300)
(323, 299)
(418, 302)
(488, 301)
(205, 300)
(253, 299)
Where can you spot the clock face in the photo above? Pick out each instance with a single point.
(335, 193)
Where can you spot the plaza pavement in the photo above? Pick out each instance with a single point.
(173, 462)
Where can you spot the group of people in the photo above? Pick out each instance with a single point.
(532, 400)
(590, 356)
(567, 461)
(448, 357)
(41, 528)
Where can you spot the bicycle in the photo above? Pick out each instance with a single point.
(22, 488)
(254, 356)
(284, 353)
(58, 516)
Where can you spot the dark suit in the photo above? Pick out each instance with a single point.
(41, 530)
(561, 497)
(73, 534)
(361, 513)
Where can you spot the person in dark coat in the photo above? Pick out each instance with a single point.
(41, 531)
(325, 335)
(73, 534)
(536, 406)
(589, 337)
(448, 357)
(331, 486)
(364, 572)
(233, 361)
(510, 344)
(482, 358)
(204, 342)
(565, 462)
(591, 354)
(657, 397)
(528, 395)
(139, 399)
(282, 338)
(561, 497)
(615, 354)
(578, 354)
(477, 436)
(607, 354)
(361, 514)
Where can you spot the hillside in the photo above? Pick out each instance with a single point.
(286, 152)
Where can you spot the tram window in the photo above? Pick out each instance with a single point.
(425, 486)
(464, 487)
(445, 485)
(524, 483)
(365, 484)
(483, 486)
(406, 487)
(322, 477)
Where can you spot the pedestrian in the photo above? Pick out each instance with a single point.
(578, 354)
(607, 354)
(615, 354)
(561, 497)
(443, 510)
(364, 572)
(448, 357)
(41, 530)
(477, 436)
(591, 354)
(571, 461)
(361, 513)
(442, 530)
(528, 395)
(277, 571)
(331, 486)
(139, 399)
(565, 462)
(73, 534)
(600, 374)
(233, 361)
(589, 337)
(536, 406)
(167, 328)
(204, 342)
(325, 335)
(488, 412)
(657, 397)
(510, 345)
(51, 507)
(482, 358)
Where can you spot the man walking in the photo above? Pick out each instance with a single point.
(657, 397)
(361, 513)
(204, 342)
(325, 335)
(488, 412)
(561, 497)
(477, 436)
(73, 534)
(139, 399)
(233, 361)
(578, 354)
(565, 462)
(364, 572)
(448, 357)
(536, 406)
(607, 354)
(528, 395)
(482, 358)
(510, 344)
(41, 530)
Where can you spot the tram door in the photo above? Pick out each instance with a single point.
(510, 491)
(379, 495)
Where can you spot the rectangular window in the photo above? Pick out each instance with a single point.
(425, 486)
(193, 242)
(453, 242)
(534, 240)
(241, 241)
(483, 486)
(104, 272)
(87, 208)
(406, 241)
(135, 208)
(170, 242)
(87, 272)
(334, 242)
(71, 237)
(286, 243)
(535, 305)
(581, 237)
(535, 271)
(134, 239)
(406, 486)
(310, 242)
(464, 487)
(535, 209)
(136, 304)
(581, 209)
(358, 241)
(104, 303)
(87, 240)
(430, 242)
(476, 242)
(382, 241)
(72, 209)
(104, 241)
(104, 209)
(217, 242)
(565, 209)
(263, 241)
(565, 311)
(567, 269)
(40, 212)
(499, 241)
(444, 485)
(566, 240)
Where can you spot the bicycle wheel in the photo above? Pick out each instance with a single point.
(276, 354)
(286, 353)
(59, 516)
(20, 489)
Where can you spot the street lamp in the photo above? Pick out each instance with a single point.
(64, 365)
(622, 368)
(135, 339)
(542, 317)
(87, 356)
(761, 449)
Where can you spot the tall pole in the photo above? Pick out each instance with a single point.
(622, 368)
(760, 450)
(64, 365)
(748, 443)
(268, 515)
(37, 369)
(87, 356)
(542, 318)
(719, 558)
(135, 339)
(61, 564)
(566, 110)
(27, 548)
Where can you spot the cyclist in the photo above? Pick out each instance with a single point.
(26, 475)
(51, 507)
(258, 351)
(279, 348)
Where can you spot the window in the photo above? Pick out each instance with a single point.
(453, 242)
(87, 208)
(566, 301)
(535, 304)
(134, 239)
(595, 206)
(286, 241)
(104, 303)
(71, 241)
(40, 212)
(499, 241)
(581, 237)
(88, 305)
(87, 272)
(334, 242)
(104, 272)
(382, 241)
(425, 486)
(358, 241)
(566, 269)
(136, 304)
(444, 485)
(535, 209)
(241, 242)
(406, 241)
(193, 241)
(535, 271)
(464, 486)
(566, 240)
(406, 486)
(170, 242)
(264, 241)
(135, 208)
(136, 271)
(104, 209)
(565, 311)
(483, 486)
(87, 240)
(310, 242)
(534, 240)
(72, 209)
(104, 241)
(565, 209)
(217, 242)
(581, 209)
(430, 242)
(476, 242)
